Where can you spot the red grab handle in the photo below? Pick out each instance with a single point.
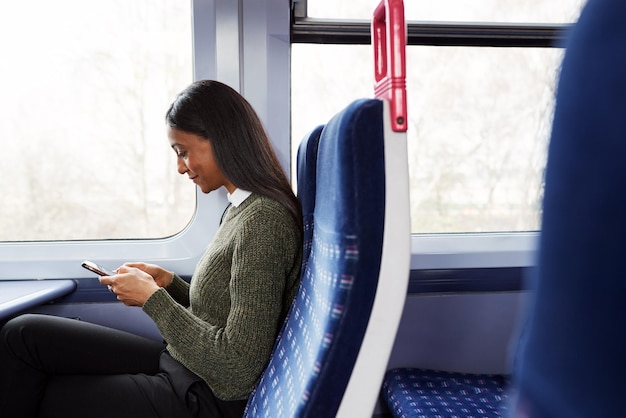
(389, 41)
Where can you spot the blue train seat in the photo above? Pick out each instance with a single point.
(331, 355)
(413, 392)
(573, 356)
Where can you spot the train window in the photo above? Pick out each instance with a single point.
(479, 118)
(85, 87)
(536, 11)
(479, 123)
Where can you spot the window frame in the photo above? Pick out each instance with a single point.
(357, 32)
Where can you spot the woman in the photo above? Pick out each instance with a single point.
(219, 329)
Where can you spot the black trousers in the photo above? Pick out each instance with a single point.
(58, 367)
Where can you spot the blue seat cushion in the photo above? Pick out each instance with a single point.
(412, 392)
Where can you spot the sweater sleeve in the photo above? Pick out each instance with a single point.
(179, 290)
(230, 357)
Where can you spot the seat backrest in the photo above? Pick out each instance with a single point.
(315, 357)
(573, 358)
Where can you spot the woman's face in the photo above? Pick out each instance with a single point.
(195, 158)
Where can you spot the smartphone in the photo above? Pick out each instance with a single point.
(99, 270)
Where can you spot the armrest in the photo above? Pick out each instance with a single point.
(20, 295)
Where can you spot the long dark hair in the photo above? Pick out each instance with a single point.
(241, 146)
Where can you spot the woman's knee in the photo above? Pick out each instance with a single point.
(22, 322)
(17, 325)
(19, 330)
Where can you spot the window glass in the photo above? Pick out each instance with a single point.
(479, 122)
(527, 11)
(85, 86)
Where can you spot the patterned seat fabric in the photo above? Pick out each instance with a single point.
(315, 353)
(420, 393)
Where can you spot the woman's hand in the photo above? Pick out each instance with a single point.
(132, 285)
(162, 277)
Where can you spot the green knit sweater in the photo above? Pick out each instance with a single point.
(223, 326)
